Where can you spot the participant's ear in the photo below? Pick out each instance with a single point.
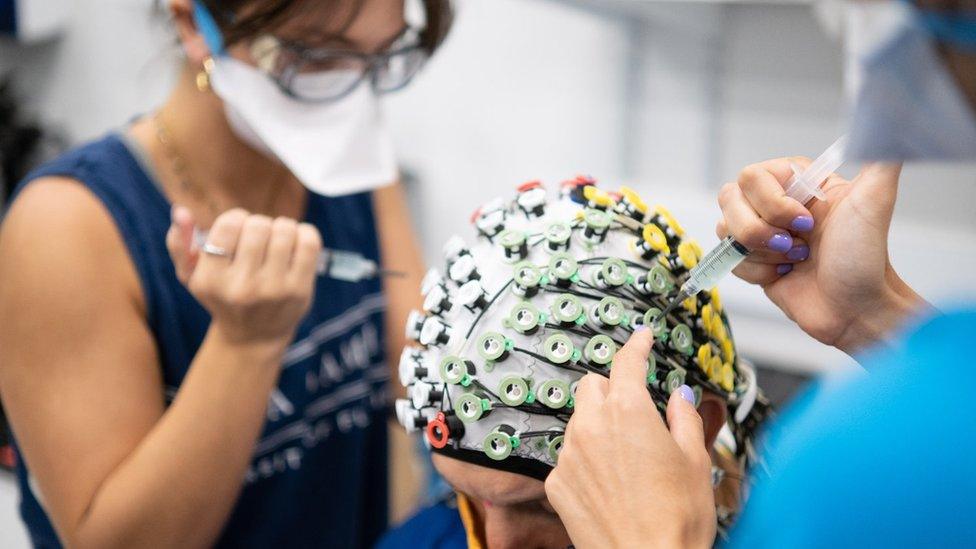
(192, 42)
(713, 413)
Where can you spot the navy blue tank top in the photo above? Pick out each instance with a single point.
(318, 477)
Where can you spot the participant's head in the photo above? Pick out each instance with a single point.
(548, 292)
(511, 509)
(913, 79)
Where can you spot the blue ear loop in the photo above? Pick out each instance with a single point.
(954, 28)
(208, 28)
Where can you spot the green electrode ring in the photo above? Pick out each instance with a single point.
(600, 350)
(596, 219)
(567, 309)
(610, 311)
(554, 393)
(674, 379)
(651, 368)
(524, 317)
(614, 272)
(559, 349)
(526, 274)
(660, 327)
(558, 233)
(563, 266)
(681, 339)
(554, 446)
(660, 279)
(499, 445)
(454, 370)
(471, 407)
(514, 391)
(492, 346)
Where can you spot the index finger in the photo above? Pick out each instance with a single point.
(764, 186)
(591, 391)
(629, 369)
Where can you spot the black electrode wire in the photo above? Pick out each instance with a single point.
(628, 262)
(552, 289)
(645, 299)
(531, 434)
(488, 306)
(608, 291)
(583, 333)
(545, 359)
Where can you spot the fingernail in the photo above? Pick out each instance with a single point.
(798, 253)
(802, 223)
(783, 268)
(686, 393)
(640, 328)
(780, 242)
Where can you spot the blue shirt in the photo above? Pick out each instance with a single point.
(886, 459)
(318, 476)
(438, 526)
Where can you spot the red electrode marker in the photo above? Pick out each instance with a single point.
(437, 431)
(529, 185)
(579, 181)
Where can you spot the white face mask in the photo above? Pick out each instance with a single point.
(334, 148)
(905, 103)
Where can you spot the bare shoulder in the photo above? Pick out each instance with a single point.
(57, 233)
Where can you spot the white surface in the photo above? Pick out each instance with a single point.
(521, 90)
(40, 19)
(115, 59)
(12, 533)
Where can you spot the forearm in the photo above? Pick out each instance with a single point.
(179, 484)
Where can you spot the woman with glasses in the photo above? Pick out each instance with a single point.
(176, 369)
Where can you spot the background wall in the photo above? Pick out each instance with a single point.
(671, 97)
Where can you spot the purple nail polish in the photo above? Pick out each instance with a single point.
(640, 328)
(802, 223)
(798, 253)
(783, 268)
(780, 242)
(686, 393)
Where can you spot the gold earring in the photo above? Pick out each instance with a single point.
(203, 77)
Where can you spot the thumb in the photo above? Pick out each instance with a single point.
(687, 428)
(874, 191)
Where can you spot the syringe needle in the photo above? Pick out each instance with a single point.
(671, 305)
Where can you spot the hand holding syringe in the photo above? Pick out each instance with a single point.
(716, 264)
(337, 264)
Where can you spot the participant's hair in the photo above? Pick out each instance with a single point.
(244, 19)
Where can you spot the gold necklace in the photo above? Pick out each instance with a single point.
(181, 171)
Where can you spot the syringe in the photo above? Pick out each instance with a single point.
(337, 264)
(716, 264)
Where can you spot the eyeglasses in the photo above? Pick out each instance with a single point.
(320, 75)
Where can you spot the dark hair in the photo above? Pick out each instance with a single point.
(243, 19)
